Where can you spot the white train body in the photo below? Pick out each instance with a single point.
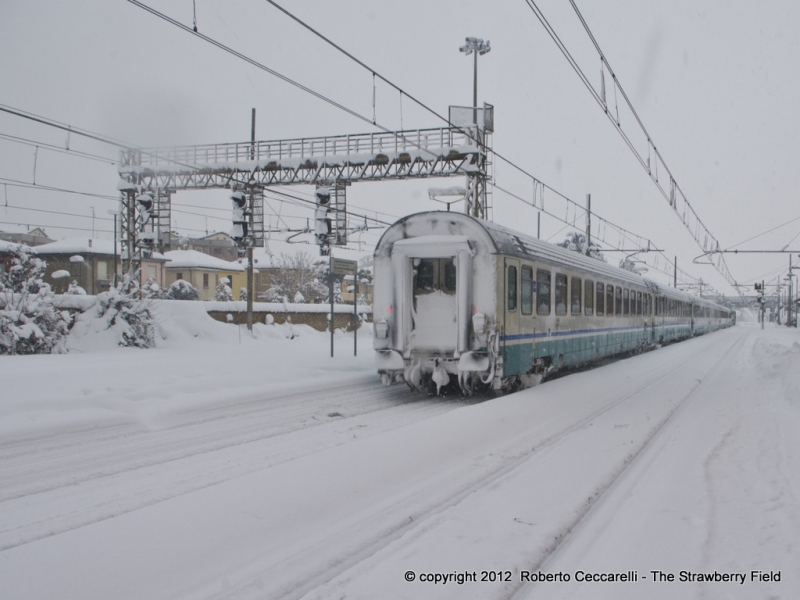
(457, 298)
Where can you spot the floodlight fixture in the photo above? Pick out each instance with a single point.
(478, 47)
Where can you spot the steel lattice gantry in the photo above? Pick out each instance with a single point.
(253, 166)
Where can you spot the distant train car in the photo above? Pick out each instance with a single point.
(461, 299)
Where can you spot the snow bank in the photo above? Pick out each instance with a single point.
(197, 362)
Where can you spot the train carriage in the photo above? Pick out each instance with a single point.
(460, 299)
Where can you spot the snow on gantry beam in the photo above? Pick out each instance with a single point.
(438, 152)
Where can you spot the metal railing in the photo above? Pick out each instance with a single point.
(411, 141)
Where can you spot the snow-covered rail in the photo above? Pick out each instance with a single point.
(126, 467)
(584, 472)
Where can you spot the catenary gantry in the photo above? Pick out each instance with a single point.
(322, 161)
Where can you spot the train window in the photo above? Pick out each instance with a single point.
(610, 300)
(625, 302)
(638, 303)
(575, 294)
(561, 294)
(618, 298)
(527, 290)
(601, 300)
(424, 276)
(589, 298)
(450, 276)
(512, 288)
(433, 274)
(542, 292)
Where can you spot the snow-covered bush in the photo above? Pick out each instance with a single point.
(29, 322)
(124, 309)
(223, 292)
(152, 291)
(243, 294)
(182, 290)
(75, 290)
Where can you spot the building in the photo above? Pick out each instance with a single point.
(218, 244)
(29, 237)
(92, 263)
(204, 272)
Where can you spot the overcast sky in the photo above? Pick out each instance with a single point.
(715, 83)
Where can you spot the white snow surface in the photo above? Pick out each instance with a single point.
(211, 467)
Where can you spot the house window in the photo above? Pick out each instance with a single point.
(178, 275)
(205, 280)
(102, 269)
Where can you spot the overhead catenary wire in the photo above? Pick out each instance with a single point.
(670, 196)
(54, 148)
(345, 108)
(402, 92)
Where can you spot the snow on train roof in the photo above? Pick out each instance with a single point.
(496, 239)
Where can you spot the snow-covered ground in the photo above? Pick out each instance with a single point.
(216, 466)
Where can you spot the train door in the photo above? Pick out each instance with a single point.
(511, 311)
(433, 304)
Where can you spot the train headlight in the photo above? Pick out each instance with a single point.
(382, 329)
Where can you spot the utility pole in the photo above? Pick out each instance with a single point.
(675, 274)
(588, 222)
(250, 286)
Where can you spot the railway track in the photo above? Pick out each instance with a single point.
(338, 494)
(123, 467)
(423, 520)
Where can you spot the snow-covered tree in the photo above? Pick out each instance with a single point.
(243, 294)
(298, 273)
(182, 290)
(223, 292)
(29, 322)
(123, 308)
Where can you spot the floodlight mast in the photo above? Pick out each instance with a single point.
(477, 47)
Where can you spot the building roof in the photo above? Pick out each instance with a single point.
(23, 229)
(77, 246)
(192, 259)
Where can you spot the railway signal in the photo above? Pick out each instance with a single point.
(240, 225)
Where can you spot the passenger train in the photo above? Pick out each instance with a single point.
(458, 299)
